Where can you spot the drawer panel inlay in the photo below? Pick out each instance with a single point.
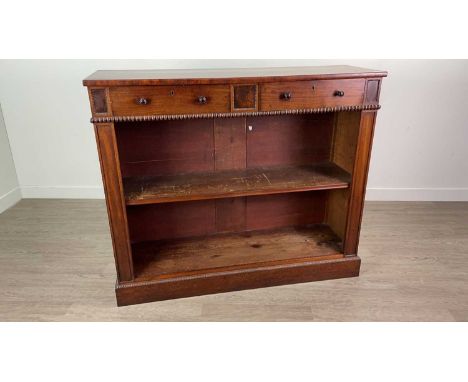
(99, 102)
(244, 97)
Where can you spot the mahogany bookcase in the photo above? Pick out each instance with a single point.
(223, 180)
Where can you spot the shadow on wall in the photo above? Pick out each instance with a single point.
(10, 193)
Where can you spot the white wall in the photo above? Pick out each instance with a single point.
(10, 192)
(420, 146)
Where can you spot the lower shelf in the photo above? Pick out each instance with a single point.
(222, 263)
(183, 257)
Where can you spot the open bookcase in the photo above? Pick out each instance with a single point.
(221, 183)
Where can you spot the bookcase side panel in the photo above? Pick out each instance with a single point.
(112, 180)
(343, 154)
(359, 182)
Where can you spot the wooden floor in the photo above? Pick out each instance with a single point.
(56, 264)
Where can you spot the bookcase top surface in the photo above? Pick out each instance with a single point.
(223, 76)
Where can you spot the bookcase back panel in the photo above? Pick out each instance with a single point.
(171, 220)
(229, 144)
(208, 217)
(285, 210)
(204, 145)
(289, 140)
(165, 147)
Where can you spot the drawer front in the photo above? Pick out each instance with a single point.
(151, 100)
(311, 94)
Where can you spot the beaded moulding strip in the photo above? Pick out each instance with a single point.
(167, 117)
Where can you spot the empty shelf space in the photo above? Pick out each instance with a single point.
(228, 252)
(233, 183)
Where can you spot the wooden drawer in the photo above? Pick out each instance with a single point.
(311, 94)
(149, 100)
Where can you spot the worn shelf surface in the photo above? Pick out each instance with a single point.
(225, 184)
(228, 252)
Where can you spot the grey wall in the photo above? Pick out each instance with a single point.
(9, 188)
(420, 146)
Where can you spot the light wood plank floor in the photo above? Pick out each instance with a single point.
(56, 264)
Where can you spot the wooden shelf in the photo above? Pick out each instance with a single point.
(234, 183)
(231, 252)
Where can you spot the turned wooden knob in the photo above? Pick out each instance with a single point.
(143, 101)
(286, 96)
(338, 93)
(202, 100)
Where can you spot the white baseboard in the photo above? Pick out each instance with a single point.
(418, 194)
(63, 192)
(10, 199)
(374, 194)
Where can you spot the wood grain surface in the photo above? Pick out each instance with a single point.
(223, 76)
(168, 147)
(230, 183)
(311, 94)
(208, 217)
(112, 181)
(170, 258)
(170, 99)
